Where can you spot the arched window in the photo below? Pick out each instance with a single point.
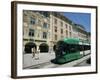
(44, 47)
(29, 46)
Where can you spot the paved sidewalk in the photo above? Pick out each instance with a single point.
(38, 59)
(44, 61)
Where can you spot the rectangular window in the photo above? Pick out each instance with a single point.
(39, 22)
(45, 25)
(81, 47)
(55, 29)
(66, 26)
(55, 21)
(87, 47)
(44, 35)
(70, 28)
(70, 34)
(31, 32)
(55, 37)
(32, 20)
(66, 33)
(61, 31)
(61, 24)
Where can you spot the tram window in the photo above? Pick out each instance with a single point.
(73, 48)
(89, 47)
(67, 48)
(81, 47)
(86, 47)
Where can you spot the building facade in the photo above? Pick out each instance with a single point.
(46, 28)
(60, 27)
(35, 27)
(79, 32)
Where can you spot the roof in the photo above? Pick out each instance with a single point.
(71, 40)
(59, 15)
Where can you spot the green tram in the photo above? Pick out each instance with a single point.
(70, 49)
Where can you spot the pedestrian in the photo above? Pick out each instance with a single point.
(50, 50)
(37, 54)
(33, 52)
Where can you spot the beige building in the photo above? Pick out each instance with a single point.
(79, 32)
(60, 27)
(35, 28)
(46, 28)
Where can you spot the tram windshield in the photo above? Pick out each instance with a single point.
(68, 48)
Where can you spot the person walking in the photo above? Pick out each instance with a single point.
(37, 54)
(33, 52)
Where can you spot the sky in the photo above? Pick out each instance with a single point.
(80, 18)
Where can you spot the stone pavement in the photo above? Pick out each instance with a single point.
(43, 61)
(40, 58)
